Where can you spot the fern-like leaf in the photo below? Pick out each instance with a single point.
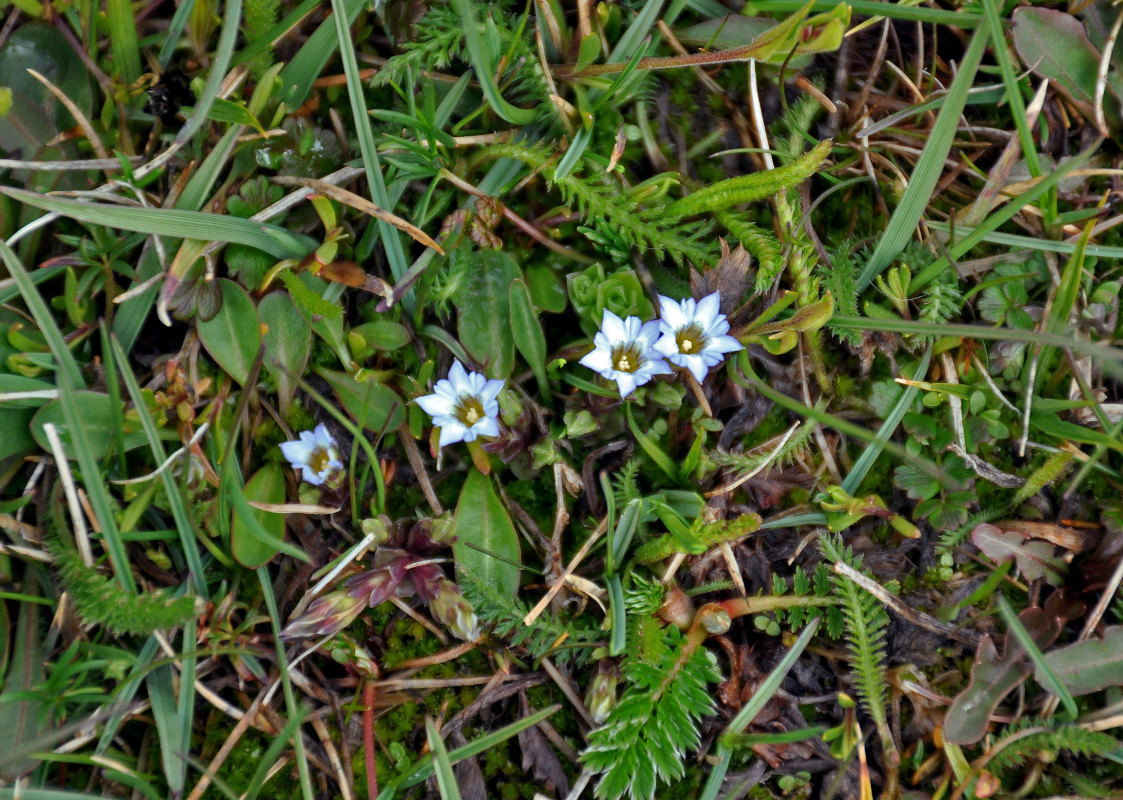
(1020, 745)
(865, 624)
(649, 732)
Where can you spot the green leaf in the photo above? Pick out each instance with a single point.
(274, 240)
(1054, 45)
(486, 545)
(233, 335)
(288, 344)
(485, 66)
(373, 405)
(1090, 666)
(267, 485)
(1035, 558)
(547, 290)
(483, 320)
(528, 335)
(382, 335)
(22, 720)
(442, 766)
(98, 415)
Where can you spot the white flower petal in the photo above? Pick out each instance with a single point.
(458, 377)
(709, 309)
(671, 312)
(323, 437)
(489, 392)
(698, 368)
(297, 453)
(667, 346)
(724, 344)
(436, 404)
(598, 360)
(626, 383)
(647, 334)
(488, 426)
(309, 475)
(613, 328)
(453, 432)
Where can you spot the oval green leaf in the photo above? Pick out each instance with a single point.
(233, 335)
(266, 486)
(483, 320)
(373, 405)
(486, 544)
(288, 344)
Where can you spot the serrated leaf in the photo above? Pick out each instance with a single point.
(486, 544)
(232, 337)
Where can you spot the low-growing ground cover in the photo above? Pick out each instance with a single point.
(623, 399)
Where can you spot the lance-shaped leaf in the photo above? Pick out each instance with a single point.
(1087, 667)
(486, 544)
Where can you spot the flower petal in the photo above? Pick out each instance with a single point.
(647, 334)
(309, 475)
(698, 368)
(626, 383)
(724, 344)
(297, 453)
(598, 360)
(488, 426)
(435, 404)
(489, 392)
(458, 377)
(613, 327)
(709, 309)
(671, 313)
(454, 432)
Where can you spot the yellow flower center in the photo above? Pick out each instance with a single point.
(626, 358)
(469, 410)
(689, 340)
(319, 460)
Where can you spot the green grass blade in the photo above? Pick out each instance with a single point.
(286, 683)
(866, 460)
(484, 69)
(442, 767)
(757, 702)
(424, 767)
(308, 64)
(395, 253)
(1051, 681)
(274, 240)
(221, 63)
(1032, 243)
(65, 363)
(1013, 94)
(929, 167)
(875, 8)
(173, 34)
(999, 217)
(123, 40)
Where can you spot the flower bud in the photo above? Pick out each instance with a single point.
(449, 607)
(600, 699)
(326, 616)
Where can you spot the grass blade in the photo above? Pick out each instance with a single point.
(929, 167)
(274, 240)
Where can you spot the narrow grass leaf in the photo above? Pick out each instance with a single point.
(123, 40)
(872, 450)
(274, 240)
(757, 702)
(930, 165)
(219, 65)
(1045, 673)
(442, 767)
(484, 68)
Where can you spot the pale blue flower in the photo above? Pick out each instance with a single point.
(694, 334)
(315, 454)
(463, 406)
(625, 352)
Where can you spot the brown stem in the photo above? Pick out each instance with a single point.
(368, 737)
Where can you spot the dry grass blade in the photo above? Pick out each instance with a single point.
(360, 204)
